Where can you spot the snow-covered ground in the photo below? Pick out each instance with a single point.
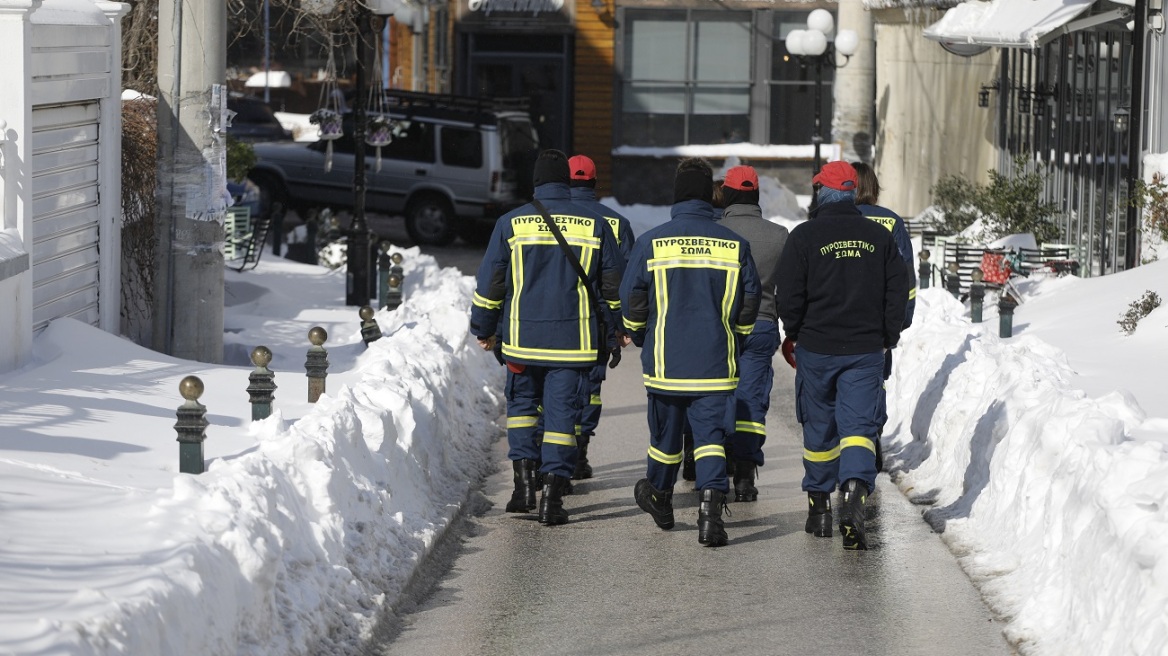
(1042, 459)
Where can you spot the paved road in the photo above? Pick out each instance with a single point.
(611, 582)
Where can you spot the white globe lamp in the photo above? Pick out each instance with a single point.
(814, 43)
(846, 42)
(820, 20)
(795, 42)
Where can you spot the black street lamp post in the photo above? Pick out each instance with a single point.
(812, 47)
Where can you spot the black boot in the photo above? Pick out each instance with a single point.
(583, 469)
(551, 503)
(688, 470)
(655, 502)
(819, 514)
(851, 523)
(523, 498)
(879, 455)
(711, 531)
(744, 473)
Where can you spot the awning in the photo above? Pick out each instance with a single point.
(1013, 23)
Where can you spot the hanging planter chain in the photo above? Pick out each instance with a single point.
(328, 115)
(379, 127)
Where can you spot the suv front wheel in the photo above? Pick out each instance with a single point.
(430, 220)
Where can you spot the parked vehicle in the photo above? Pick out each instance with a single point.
(254, 121)
(453, 167)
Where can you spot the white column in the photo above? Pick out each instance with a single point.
(855, 86)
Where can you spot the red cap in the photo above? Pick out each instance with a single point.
(836, 175)
(582, 167)
(742, 178)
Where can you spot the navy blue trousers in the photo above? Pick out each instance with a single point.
(712, 419)
(553, 395)
(838, 403)
(752, 399)
(590, 412)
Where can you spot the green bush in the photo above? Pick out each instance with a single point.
(241, 158)
(1153, 199)
(1139, 309)
(1010, 204)
(956, 200)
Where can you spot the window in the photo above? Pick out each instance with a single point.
(793, 88)
(462, 147)
(412, 141)
(687, 77)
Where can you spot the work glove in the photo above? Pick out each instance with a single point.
(788, 350)
(614, 357)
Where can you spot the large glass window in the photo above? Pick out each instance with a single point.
(687, 77)
(793, 88)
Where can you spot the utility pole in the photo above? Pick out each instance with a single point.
(358, 281)
(192, 194)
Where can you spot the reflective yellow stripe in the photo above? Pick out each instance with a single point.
(821, 456)
(563, 439)
(912, 293)
(578, 427)
(550, 355)
(518, 282)
(484, 302)
(615, 305)
(691, 384)
(536, 240)
(665, 458)
(521, 422)
(691, 263)
(750, 427)
(744, 330)
(858, 440)
(633, 325)
(709, 450)
(727, 303)
(659, 285)
(595, 400)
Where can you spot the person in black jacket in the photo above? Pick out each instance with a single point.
(842, 290)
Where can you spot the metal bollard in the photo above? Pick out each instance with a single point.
(393, 295)
(191, 426)
(317, 363)
(1006, 305)
(262, 384)
(923, 271)
(953, 281)
(976, 296)
(370, 331)
(383, 265)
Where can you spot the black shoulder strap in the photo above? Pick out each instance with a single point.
(601, 340)
(572, 259)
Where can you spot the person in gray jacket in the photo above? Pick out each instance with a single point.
(756, 373)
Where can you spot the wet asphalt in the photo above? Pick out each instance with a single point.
(611, 582)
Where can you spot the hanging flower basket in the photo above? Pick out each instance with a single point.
(329, 122)
(379, 131)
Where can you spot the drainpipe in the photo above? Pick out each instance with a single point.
(1135, 139)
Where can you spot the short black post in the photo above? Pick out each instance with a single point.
(262, 385)
(1006, 305)
(383, 275)
(370, 331)
(976, 296)
(953, 281)
(317, 363)
(923, 271)
(393, 296)
(191, 427)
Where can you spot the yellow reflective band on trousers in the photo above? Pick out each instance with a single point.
(691, 384)
(550, 355)
(521, 422)
(912, 293)
(821, 456)
(665, 458)
(633, 325)
(710, 450)
(563, 439)
(750, 427)
(594, 400)
(858, 440)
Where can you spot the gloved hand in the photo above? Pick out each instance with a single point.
(614, 357)
(788, 349)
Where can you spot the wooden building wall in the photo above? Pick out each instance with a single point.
(593, 92)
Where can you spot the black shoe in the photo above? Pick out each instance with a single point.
(819, 514)
(851, 522)
(689, 470)
(523, 498)
(711, 531)
(744, 473)
(583, 469)
(551, 503)
(655, 502)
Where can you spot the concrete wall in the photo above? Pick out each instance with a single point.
(928, 122)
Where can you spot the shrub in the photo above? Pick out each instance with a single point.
(955, 198)
(139, 181)
(241, 158)
(1139, 309)
(1153, 198)
(1010, 204)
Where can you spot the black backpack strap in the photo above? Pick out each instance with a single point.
(602, 339)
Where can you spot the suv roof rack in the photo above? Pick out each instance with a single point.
(452, 106)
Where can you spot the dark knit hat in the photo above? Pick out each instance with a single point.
(551, 166)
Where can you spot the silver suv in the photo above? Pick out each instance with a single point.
(455, 165)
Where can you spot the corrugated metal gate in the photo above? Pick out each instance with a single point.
(65, 212)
